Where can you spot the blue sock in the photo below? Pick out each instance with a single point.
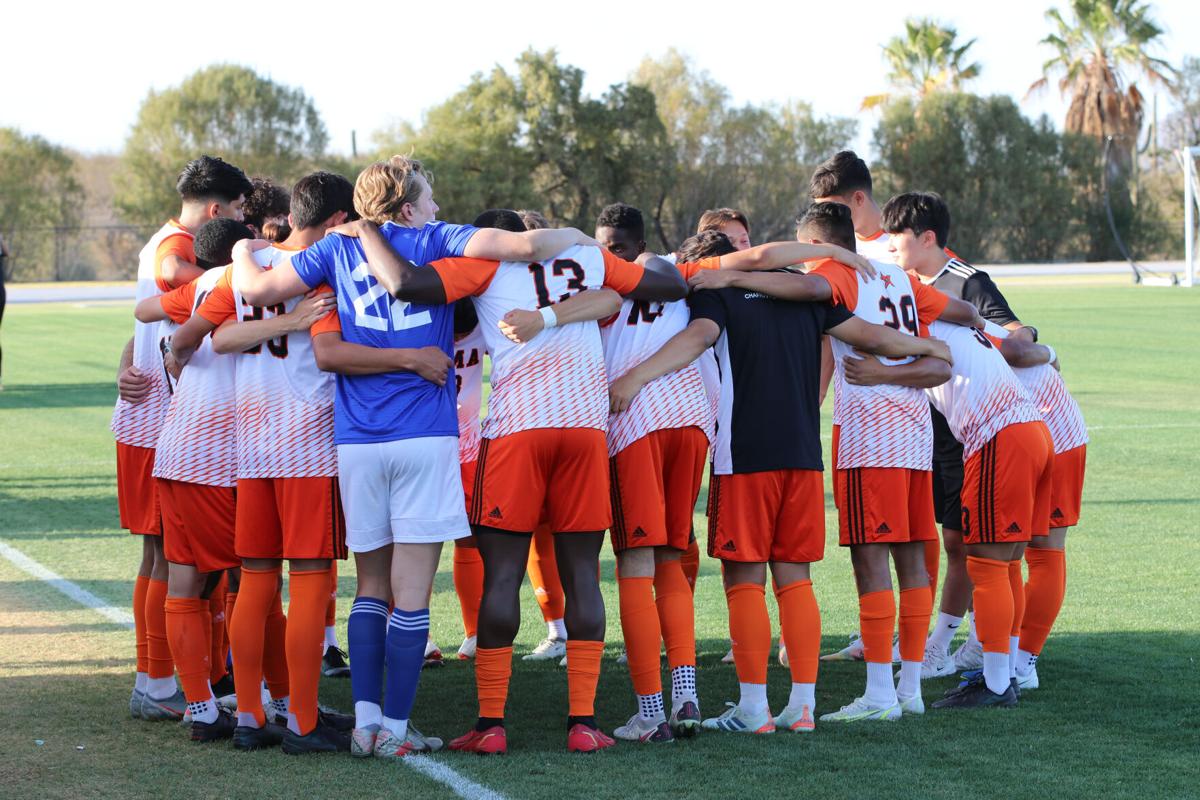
(406, 636)
(366, 633)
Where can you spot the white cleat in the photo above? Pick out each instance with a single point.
(728, 657)
(645, 730)
(735, 720)
(851, 652)
(796, 720)
(783, 656)
(860, 710)
(912, 705)
(937, 663)
(1029, 681)
(466, 650)
(968, 656)
(547, 649)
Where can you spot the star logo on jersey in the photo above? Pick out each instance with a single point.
(1057, 514)
(495, 513)
(1014, 528)
(883, 528)
(887, 280)
(639, 533)
(729, 547)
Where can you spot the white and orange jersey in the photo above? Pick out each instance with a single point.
(678, 399)
(197, 440)
(558, 379)
(284, 402)
(468, 376)
(874, 247)
(884, 425)
(983, 395)
(139, 424)
(1049, 393)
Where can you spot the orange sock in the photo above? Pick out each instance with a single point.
(643, 636)
(993, 600)
(691, 563)
(1043, 596)
(188, 635)
(877, 620)
(216, 616)
(1017, 583)
(800, 623)
(493, 668)
(583, 674)
(309, 591)
(468, 585)
(140, 587)
(543, 575)
(933, 556)
(274, 661)
(916, 606)
(749, 630)
(676, 613)
(230, 603)
(158, 651)
(331, 608)
(259, 589)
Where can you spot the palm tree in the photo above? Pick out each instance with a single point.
(924, 60)
(1103, 40)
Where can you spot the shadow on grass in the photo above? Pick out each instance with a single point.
(58, 395)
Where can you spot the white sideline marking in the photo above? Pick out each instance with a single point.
(1143, 427)
(72, 590)
(455, 781)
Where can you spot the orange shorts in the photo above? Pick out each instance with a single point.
(778, 515)
(545, 474)
(884, 505)
(290, 518)
(654, 484)
(1006, 486)
(468, 469)
(137, 500)
(1066, 487)
(198, 524)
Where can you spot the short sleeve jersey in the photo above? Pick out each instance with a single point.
(675, 400)
(874, 247)
(468, 375)
(392, 405)
(139, 424)
(884, 425)
(284, 402)
(556, 380)
(983, 395)
(769, 354)
(197, 440)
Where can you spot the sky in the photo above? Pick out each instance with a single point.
(77, 75)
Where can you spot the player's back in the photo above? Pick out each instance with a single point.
(469, 351)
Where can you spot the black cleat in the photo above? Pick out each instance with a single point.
(222, 728)
(978, 695)
(342, 723)
(248, 738)
(333, 663)
(321, 739)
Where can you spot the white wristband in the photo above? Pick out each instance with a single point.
(549, 317)
(1053, 355)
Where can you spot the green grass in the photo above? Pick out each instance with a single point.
(1117, 715)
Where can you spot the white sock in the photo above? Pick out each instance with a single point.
(204, 711)
(754, 698)
(650, 706)
(246, 719)
(944, 630)
(265, 694)
(293, 725)
(331, 639)
(909, 684)
(803, 694)
(972, 636)
(1026, 661)
(1013, 641)
(160, 688)
(367, 714)
(556, 629)
(280, 706)
(995, 671)
(881, 692)
(683, 684)
(140, 681)
(398, 727)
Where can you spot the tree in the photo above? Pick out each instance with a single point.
(223, 110)
(1183, 126)
(40, 203)
(927, 58)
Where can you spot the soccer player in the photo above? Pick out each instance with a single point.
(844, 178)
(542, 456)
(265, 211)
(208, 187)
(729, 221)
(766, 496)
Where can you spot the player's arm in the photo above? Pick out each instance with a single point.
(783, 285)
(236, 337)
(176, 270)
(924, 373)
(1018, 347)
(981, 291)
(884, 341)
(777, 255)
(521, 325)
(498, 245)
(826, 370)
(682, 349)
(132, 385)
(960, 312)
(188, 336)
(264, 287)
(334, 354)
(150, 310)
(652, 278)
(396, 274)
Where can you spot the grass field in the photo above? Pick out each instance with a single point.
(1117, 715)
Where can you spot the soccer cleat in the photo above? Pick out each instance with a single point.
(860, 710)
(586, 739)
(222, 728)
(563, 663)
(466, 650)
(851, 652)
(783, 656)
(333, 663)
(685, 719)
(389, 745)
(644, 730)
(969, 655)
(937, 663)
(978, 695)
(321, 739)
(796, 720)
(547, 649)
(1029, 681)
(224, 687)
(735, 720)
(491, 742)
(433, 655)
(135, 703)
(623, 659)
(169, 708)
(728, 657)
(249, 738)
(342, 723)
(912, 705)
(362, 741)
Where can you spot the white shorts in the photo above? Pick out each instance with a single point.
(403, 492)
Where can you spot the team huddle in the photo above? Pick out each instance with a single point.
(305, 381)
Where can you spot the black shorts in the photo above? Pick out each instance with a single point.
(947, 493)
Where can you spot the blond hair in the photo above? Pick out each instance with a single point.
(383, 188)
(715, 218)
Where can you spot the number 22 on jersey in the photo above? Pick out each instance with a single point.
(367, 294)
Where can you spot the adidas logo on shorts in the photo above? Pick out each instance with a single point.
(495, 513)
(1057, 514)
(1014, 528)
(883, 528)
(639, 533)
(729, 547)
